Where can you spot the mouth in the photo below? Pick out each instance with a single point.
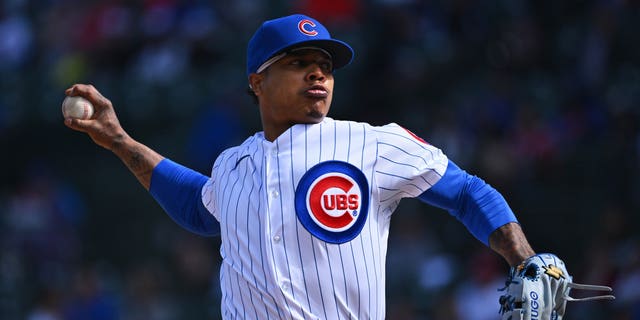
(316, 92)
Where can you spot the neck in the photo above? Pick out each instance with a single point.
(272, 132)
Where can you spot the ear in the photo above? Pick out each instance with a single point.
(255, 83)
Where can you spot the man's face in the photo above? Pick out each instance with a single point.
(296, 89)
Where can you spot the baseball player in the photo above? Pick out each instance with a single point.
(303, 207)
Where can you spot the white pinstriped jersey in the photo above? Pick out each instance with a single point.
(280, 257)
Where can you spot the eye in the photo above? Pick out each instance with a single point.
(297, 62)
(326, 66)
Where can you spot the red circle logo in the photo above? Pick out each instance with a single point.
(334, 201)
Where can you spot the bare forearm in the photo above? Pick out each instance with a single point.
(105, 130)
(140, 159)
(510, 242)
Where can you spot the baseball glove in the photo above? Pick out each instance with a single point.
(538, 289)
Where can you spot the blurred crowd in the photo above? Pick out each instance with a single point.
(539, 98)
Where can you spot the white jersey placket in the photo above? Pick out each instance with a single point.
(274, 222)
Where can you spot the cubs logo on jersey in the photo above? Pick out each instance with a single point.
(332, 201)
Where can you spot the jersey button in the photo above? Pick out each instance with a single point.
(285, 286)
(274, 194)
(276, 238)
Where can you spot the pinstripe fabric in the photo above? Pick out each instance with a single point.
(273, 268)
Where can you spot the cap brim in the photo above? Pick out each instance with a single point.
(341, 53)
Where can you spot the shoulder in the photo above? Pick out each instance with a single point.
(396, 132)
(393, 138)
(388, 128)
(348, 124)
(389, 133)
(232, 154)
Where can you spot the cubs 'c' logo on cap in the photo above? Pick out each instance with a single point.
(332, 201)
(306, 26)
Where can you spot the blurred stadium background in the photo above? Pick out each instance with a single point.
(539, 98)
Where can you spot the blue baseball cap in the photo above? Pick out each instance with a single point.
(278, 36)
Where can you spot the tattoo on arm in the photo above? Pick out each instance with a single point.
(140, 160)
(139, 166)
(510, 242)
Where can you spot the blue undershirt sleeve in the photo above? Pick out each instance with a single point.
(480, 207)
(178, 191)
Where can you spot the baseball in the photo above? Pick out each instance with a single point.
(77, 107)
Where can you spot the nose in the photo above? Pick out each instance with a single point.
(315, 73)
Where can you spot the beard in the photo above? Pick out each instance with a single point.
(318, 110)
(315, 114)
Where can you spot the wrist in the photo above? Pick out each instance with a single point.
(119, 142)
(510, 242)
(140, 159)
